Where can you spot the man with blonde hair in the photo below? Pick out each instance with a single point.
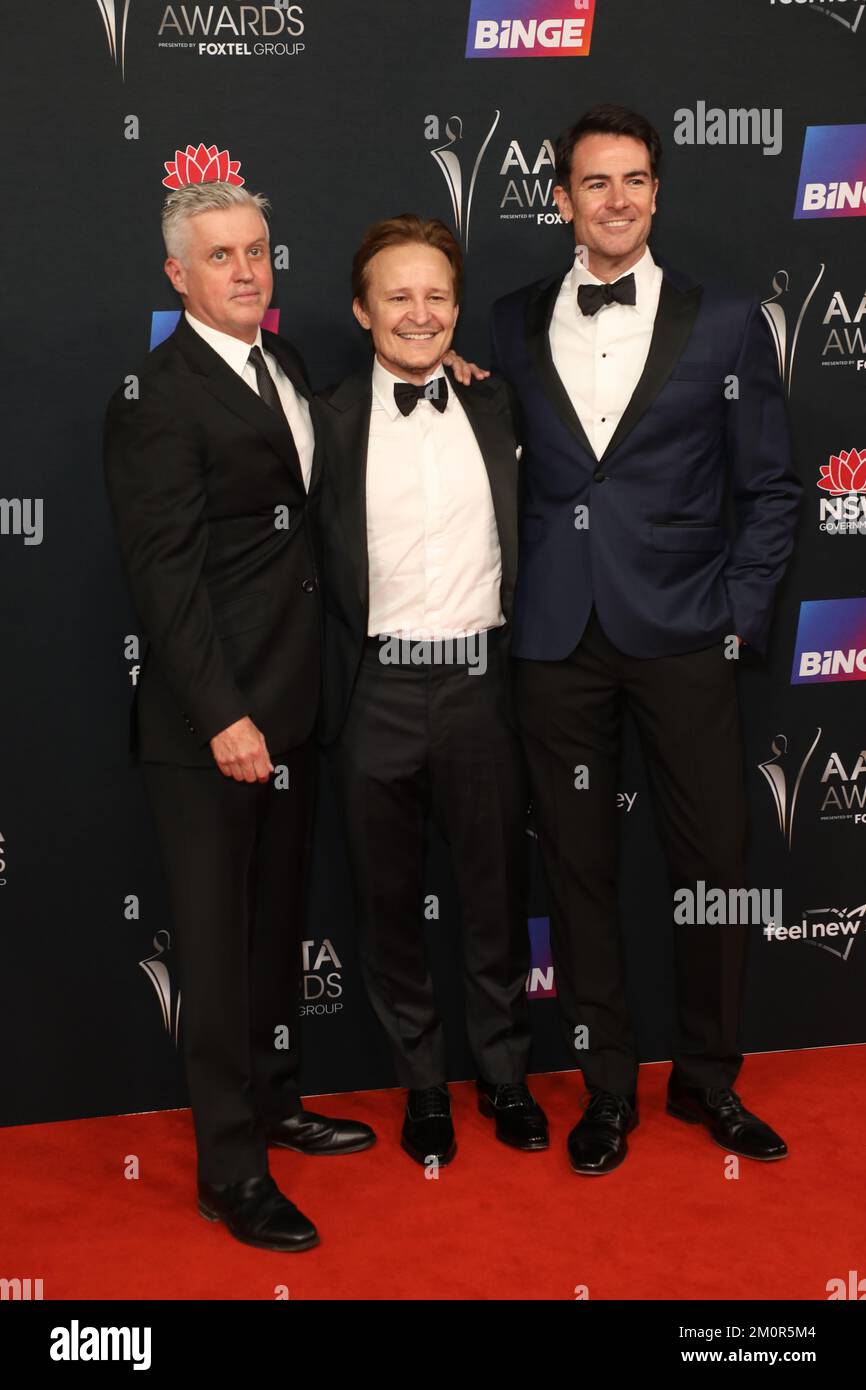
(211, 478)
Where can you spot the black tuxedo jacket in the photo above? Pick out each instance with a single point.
(214, 527)
(707, 420)
(342, 420)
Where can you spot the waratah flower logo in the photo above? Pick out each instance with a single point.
(206, 164)
(844, 473)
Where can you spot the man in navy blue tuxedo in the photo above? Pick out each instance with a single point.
(644, 399)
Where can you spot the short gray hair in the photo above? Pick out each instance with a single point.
(194, 198)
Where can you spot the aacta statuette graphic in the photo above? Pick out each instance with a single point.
(157, 971)
(777, 316)
(110, 10)
(448, 158)
(777, 778)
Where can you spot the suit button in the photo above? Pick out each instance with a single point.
(598, 476)
(309, 586)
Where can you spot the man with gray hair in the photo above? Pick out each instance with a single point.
(211, 477)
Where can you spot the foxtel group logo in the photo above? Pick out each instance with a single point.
(832, 172)
(530, 28)
(831, 641)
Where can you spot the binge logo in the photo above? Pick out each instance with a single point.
(833, 172)
(530, 28)
(831, 641)
(540, 983)
(163, 322)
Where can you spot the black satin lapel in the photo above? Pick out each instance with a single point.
(675, 319)
(232, 391)
(349, 481)
(538, 316)
(491, 425)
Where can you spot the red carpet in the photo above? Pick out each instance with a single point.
(496, 1224)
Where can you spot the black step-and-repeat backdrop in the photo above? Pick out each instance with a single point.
(344, 112)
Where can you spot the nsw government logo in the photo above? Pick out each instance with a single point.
(833, 172)
(530, 28)
(843, 487)
(831, 641)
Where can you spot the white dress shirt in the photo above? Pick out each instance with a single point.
(235, 352)
(600, 357)
(432, 540)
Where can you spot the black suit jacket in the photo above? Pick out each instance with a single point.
(225, 583)
(342, 420)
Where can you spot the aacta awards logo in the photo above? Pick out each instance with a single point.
(450, 154)
(844, 318)
(530, 28)
(234, 31)
(843, 484)
(114, 17)
(785, 314)
(156, 968)
(784, 776)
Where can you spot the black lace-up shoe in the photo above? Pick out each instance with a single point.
(598, 1144)
(308, 1133)
(428, 1131)
(256, 1212)
(732, 1126)
(520, 1120)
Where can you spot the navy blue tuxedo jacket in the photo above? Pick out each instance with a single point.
(654, 555)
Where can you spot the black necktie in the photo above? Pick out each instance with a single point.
(407, 396)
(591, 298)
(267, 390)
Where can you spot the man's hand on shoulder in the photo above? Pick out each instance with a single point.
(463, 370)
(241, 752)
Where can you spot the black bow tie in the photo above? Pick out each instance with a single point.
(407, 396)
(591, 298)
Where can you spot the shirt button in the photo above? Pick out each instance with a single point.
(308, 586)
(598, 476)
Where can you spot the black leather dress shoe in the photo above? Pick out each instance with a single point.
(520, 1120)
(307, 1133)
(732, 1126)
(428, 1131)
(256, 1212)
(598, 1144)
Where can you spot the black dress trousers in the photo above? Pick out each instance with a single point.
(435, 741)
(236, 856)
(687, 716)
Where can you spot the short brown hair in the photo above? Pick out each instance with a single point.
(402, 231)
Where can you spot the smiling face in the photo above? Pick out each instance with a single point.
(611, 198)
(225, 277)
(409, 308)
